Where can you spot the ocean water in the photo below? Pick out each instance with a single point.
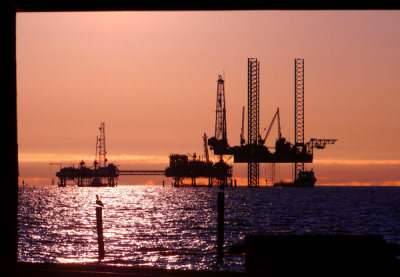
(167, 227)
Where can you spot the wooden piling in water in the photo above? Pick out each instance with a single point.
(220, 227)
(100, 237)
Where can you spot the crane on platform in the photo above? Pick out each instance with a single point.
(318, 144)
(95, 163)
(242, 141)
(205, 145)
(61, 164)
(276, 117)
(253, 151)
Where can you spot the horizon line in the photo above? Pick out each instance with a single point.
(157, 159)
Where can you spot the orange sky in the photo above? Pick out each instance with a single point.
(152, 77)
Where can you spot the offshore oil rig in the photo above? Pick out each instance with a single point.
(180, 167)
(100, 175)
(219, 173)
(255, 152)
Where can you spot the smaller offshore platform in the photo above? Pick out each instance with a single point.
(181, 166)
(100, 175)
(103, 174)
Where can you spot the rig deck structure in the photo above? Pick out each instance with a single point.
(84, 176)
(100, 175)
(180, 167)
(255, 152)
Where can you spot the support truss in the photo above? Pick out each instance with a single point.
(299, 111)
(253, 126)
(102, 146)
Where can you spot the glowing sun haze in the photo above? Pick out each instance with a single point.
(152, 78)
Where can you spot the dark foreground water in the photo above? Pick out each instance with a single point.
(170, 227)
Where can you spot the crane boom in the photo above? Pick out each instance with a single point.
(205, 144)
(276, 116)
(318, 144)
(61, 164)
(95, 156)
(242, 130)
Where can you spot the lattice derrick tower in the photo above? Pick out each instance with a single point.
(299, 112)
(102, 146)
(253, 115)
(220, 112)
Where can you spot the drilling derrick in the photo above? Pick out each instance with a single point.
(299, 112)
(253, 113)
(102, 175)
(220, 111)
(102, 146)
(255, 151)
(219, 143)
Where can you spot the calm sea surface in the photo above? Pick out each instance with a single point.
(170, 227)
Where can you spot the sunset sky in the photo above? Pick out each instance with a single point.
(152, 78)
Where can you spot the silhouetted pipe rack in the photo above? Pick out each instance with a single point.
(180, 167)
(141, 172)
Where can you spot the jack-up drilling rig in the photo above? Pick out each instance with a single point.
(302, 178)
(255, 152)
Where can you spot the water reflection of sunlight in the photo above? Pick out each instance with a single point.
(76, 260)
(175, 228)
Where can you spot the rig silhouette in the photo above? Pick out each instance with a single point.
(219, 173)
(103, 174)
(255, 152)
(100, 175)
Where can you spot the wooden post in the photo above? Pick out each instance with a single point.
(220, 227)
(100, 238)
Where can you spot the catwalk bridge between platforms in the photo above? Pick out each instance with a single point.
(141, 172)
